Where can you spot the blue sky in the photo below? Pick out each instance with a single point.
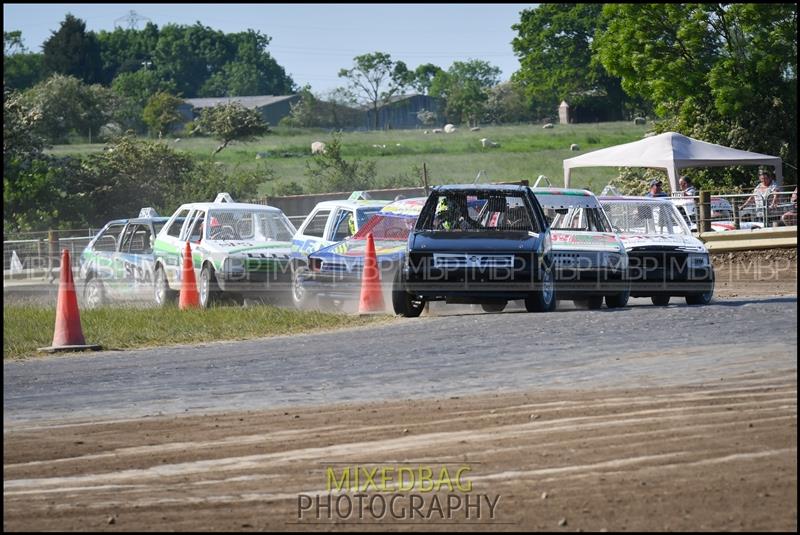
(313, 41)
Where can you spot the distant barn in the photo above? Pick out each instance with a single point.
(272, 108)
(400, 111)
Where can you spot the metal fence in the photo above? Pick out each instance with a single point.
(742, 211)
(38, 254)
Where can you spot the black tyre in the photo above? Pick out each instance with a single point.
(703, 298)
(94, 293)
(544, 298)
(494, 308)
(301, 297)
(207, 287)
(660, 300)
(618, 300)
(594, 302)
(404, 303)
(163, 295)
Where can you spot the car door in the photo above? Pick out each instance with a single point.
(103, 253)
(135, 257)
(170, 243)
(342, 227)
(312, 235)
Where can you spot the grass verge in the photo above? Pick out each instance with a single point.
(27, 327)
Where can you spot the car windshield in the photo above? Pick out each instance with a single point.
(574, 212)
(243, 224)
(365, 214)
(645, 217)
(476, 211)
(385, 227)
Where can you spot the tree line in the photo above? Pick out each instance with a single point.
(723, 73)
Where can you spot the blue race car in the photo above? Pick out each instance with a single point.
(484, 244)
(118, 262)
(334, 272)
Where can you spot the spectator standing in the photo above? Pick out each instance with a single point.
(655, 189)
(687, 188)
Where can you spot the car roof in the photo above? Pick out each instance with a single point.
(564, 191)
(354, 204)
(478, 187)
(138, 220)
(228, 206)
(404, 207)
(635, 199)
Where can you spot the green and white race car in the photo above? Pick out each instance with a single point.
(238, 250)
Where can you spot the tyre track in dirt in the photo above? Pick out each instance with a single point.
(718, 456)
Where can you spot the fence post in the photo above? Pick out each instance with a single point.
(705, 211)
(52, 252)
(737, 218)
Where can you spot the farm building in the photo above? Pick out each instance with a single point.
(401, 111)
(272, 108)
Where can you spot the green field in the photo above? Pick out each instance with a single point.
(525, 152)
(27, 327)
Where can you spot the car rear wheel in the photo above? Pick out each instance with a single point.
(404, 303)
(163, 295)
(660, 300)
(209, 291)
(94, 293)
(544, 298)
(493, 308)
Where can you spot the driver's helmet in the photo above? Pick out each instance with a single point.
(441, 207)
(351, 224)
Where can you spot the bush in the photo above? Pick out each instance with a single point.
(329, 172)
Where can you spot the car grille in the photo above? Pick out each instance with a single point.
(462, 260)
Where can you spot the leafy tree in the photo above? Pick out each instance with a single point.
(725, 73)
(73, 51)
(135, 89)
(423, 77)
(465, 87)
(161, 112)
(125, 50)
(21, 69)
(231, 122)
(330, 172)
(375, 78)
(506, 103)
(66, 104)
(556, 61)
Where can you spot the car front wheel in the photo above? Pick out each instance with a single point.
(703, 298)
(544, 298)
(404, 303)
(301, 296)
(163, 295)
(209, 291)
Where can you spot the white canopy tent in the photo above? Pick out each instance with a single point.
(673, 152)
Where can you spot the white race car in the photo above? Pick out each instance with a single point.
(664, 258)
(590, 260)
(238, 249)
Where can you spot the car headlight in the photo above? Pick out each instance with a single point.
(234, 265)
(613, 260)
(699, 260)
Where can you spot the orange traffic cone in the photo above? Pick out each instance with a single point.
(68, 335)
(371, 294)
(189, 296)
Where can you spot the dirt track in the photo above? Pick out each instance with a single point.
(717, 457)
